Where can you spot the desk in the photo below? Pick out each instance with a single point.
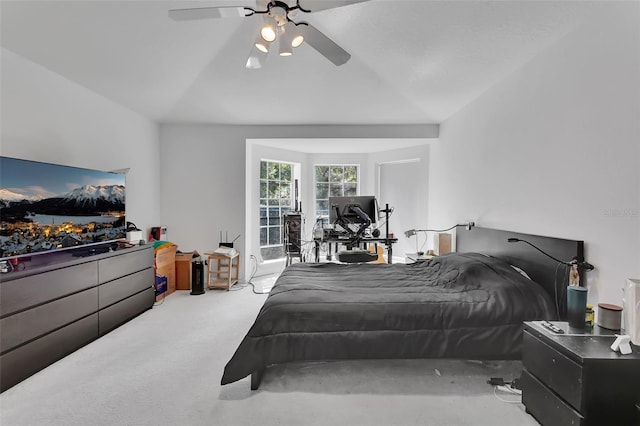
(388, 243)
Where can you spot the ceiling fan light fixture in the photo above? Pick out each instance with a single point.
(297, 40)
(253, 63)
(262, 45)
(268, 33)
(285, 42)
(276, 15)
(269, 30)
(293, 35)
(285, 49)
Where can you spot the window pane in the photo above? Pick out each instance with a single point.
(273, 172)
(263, 189)
(322, 174)
(276, 193)
(273, 189)
(274, 221)
(285, 191)
(350, 189)
(322, 207)
(336, 174)
(274, 212)
(336, 190)
(285, 172)
(351, 174)
(343, 181)
(322, 190)
(274, 235)
(263, 170)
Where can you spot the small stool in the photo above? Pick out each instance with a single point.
(221, 273)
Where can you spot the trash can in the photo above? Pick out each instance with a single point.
(197, 277)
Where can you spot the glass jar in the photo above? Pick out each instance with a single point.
(588, 316)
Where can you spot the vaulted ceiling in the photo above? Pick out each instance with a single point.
(413, 62)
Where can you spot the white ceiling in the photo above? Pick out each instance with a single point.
(412, 62)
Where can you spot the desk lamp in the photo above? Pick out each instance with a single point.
(576, 295)
(582, 265)
(411, 232)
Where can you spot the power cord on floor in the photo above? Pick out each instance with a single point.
(510, 391)
(510, 388)
(253, 273)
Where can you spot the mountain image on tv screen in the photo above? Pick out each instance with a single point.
(47, 206)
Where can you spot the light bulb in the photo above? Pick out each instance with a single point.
(297, 41)
(268, 33)
(262, 46)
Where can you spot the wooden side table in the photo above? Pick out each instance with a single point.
(223, 270)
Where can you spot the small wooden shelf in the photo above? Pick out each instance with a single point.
(223, 270)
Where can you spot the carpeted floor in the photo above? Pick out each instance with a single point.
(164, 368)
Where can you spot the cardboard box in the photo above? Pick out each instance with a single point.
(183, 269)
(166, 266)
(442, 243)
(166, 255)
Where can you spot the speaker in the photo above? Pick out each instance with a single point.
(292, 229)
(197, 277)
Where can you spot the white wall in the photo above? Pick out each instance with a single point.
(554, 150)
(48, 118)
(415, 190)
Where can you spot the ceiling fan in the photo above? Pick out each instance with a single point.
(278, 26)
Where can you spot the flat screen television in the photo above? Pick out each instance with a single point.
(49, 207)
(343, 206)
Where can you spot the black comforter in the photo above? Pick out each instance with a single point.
(461, 305)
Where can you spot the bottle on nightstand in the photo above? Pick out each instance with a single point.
(588, 316)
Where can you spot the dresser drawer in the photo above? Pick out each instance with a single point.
(121, 288)
(115, 267)
(546, 406)
(559, 373)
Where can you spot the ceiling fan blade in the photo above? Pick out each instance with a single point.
(324, 45)
(207, 13)
(318, 5)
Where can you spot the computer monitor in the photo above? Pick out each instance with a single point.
(342, 206)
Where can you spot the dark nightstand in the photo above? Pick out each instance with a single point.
(576, 379)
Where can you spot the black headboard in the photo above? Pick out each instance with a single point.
(553, 277)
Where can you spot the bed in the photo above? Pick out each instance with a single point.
(466, 305)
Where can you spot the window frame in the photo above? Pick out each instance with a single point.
(322, 213)
(281, 208)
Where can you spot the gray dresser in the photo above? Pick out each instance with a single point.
(51, 310)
